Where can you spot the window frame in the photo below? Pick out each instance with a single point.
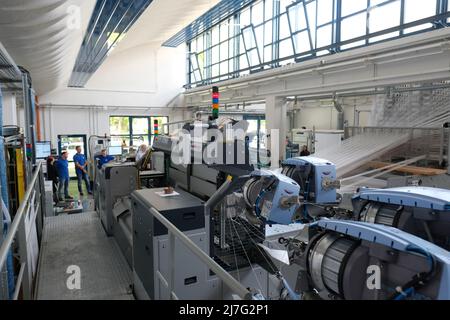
(130, 135)
(273, 12)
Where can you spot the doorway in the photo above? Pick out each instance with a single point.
(69, 143)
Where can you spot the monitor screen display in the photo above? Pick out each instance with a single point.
(115, 151)
(43, 149)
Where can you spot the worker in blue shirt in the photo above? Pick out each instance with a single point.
(103, 158)
(80, 168)
(62, 168)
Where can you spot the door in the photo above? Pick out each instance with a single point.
(69, 143)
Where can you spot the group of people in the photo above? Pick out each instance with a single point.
(58, 172)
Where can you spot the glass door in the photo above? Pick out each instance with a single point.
(69, 143)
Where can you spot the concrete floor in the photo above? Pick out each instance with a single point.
(79, 240)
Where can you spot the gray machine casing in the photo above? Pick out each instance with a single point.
(151, 252)
(49, 210)
(123, 228)
(203, 180)
(179, 174)
(151, 249)
(198, 179)
(115, 180)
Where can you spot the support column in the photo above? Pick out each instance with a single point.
(9, 109)
(276, 124)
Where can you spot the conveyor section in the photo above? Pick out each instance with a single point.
(360, 149)
(80, 240)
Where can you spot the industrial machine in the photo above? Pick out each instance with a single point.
(421, 211)
(317, 178)
(188, 176)
(266, 190)
(340, 258)
(123, 227)
(246, 205)
(113, 180)
(367, 259)
(248, 221)
(230, 227)
(152, 169)
(213, 151)
(114, 183)
(196, 181)
(318, 184)
(151, 252)
(156, 263)
(348, 260)
(334, 259)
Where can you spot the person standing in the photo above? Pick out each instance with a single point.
(52, 175)
(81, 170)
(62, 167)
(305, 152)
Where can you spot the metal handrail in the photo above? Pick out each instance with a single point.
(19, 280)
(395, 128)
(228, 279)
(12, 231)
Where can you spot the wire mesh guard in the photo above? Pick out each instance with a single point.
(236, 240)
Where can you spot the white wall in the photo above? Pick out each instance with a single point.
(144, 76)
(139, 81)
(91, 121)
(326, 117)
(318, 117)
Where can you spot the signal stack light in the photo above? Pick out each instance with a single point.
(155, 127)
(215, 102)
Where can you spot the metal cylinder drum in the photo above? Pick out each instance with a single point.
(327, 260)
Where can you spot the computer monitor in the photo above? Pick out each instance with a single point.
(43, 149)
(115, 151)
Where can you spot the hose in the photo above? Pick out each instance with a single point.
(292, 294)
(418, 280)
(260, 195)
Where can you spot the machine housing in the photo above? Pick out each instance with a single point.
(114, 180)
(316, 177)
(422, 211)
